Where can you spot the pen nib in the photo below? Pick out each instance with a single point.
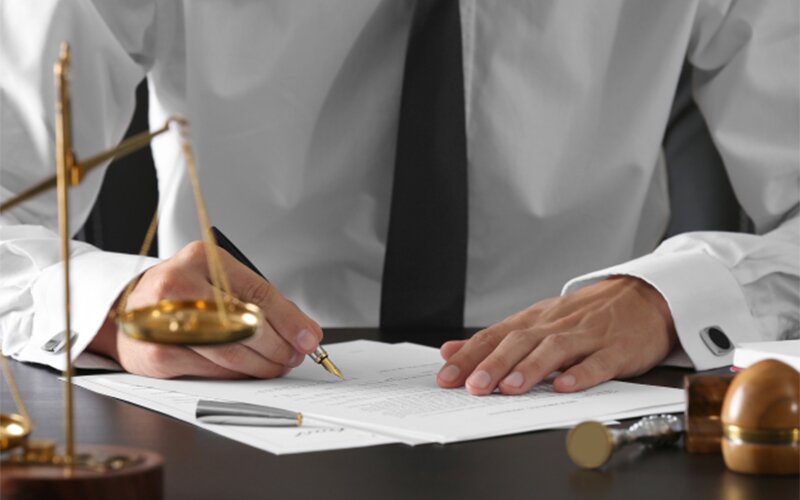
(331, 368)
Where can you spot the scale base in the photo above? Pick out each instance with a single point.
(119, 472)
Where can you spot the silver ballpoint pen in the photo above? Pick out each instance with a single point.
(236, 413)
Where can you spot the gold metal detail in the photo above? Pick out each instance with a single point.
(195, 322)
(780, 437)
(330, 367)
(14, 430)
(78, 170)
(97, 462)
(233, 321)
(40, 451)
(65, 162)
(590, 444)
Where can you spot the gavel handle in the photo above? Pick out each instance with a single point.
(653, 430)
(591, 444)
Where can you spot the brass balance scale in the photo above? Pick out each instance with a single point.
(195, 322)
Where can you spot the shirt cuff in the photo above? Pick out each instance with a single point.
(97, 280)
(702, 296)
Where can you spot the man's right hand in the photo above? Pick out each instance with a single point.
(288, 333)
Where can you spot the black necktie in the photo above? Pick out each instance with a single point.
(426, 250)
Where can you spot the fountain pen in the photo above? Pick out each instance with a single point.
(319, 356)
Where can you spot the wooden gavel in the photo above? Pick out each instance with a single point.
(753, 418)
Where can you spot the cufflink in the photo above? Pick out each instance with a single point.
(59, 341)
(716, 340)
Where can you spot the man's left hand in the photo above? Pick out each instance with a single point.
(616, 328)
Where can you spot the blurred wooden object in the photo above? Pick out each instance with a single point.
(761, 420)
(142, 480)
(704, 397)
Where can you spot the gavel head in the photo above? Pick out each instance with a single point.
(761, 420)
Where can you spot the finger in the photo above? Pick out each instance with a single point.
(263, 355)
(595, 369)
(195, 365)
(303, 333)
(284, 316)
(240, 358)
(514, 347)
(553, 352)
(273, 347)
(463, 362)
(269, 344)
(451, 347)
(166, 361)
(193, 256)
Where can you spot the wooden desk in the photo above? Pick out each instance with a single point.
(202, 465)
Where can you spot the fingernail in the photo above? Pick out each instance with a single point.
(480, 379)
(306, 340)
(566, 380)
(449, 373)
(297, 359)
(514, 380)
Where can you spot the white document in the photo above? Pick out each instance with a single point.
(750, 353)
(312, 436)
(391, 390)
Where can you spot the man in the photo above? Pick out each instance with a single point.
(294, 109)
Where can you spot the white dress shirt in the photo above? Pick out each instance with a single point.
(294, 110)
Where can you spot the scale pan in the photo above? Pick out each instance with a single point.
(192, 322)
(14, 430)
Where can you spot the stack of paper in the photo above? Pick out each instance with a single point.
(390, 395)
(750, 353)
